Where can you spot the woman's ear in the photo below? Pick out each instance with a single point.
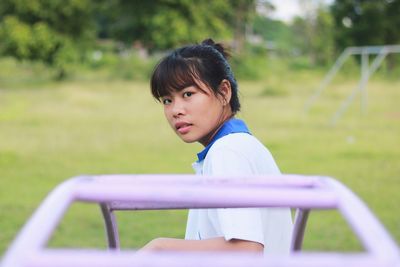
(226, 91)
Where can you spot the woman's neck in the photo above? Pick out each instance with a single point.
(209, 137)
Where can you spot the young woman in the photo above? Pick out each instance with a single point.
(200, 96)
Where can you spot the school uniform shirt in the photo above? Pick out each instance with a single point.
(235, 152)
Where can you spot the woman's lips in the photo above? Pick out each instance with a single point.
(183, 127)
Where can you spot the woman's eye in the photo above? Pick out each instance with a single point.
(187, 94)
(166, 101)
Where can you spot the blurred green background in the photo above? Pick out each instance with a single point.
(74, 99)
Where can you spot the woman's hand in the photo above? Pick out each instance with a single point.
(212, 244)
(156, 244)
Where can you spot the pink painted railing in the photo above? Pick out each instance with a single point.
(138, 192)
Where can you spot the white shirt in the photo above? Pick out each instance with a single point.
(239, 154)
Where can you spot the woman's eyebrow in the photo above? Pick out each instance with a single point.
(166, 95)
(183, 86)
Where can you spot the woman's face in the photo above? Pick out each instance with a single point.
(195, 113)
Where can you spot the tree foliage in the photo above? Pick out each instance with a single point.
(313, 35)
(366, 22)
(164, 24)
(50, 31)
(277, 33)
(56, 31)
(243, 12)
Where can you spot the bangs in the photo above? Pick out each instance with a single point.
(174, 74)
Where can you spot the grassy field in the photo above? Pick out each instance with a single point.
(55, 131)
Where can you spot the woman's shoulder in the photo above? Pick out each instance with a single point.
(241, 153)
(238, 141)
(243, 144)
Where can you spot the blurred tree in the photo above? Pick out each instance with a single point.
(392, 26)
(313, 33)
(366, 22)
(359, 22)
(50, 31)
(392, 18)
(242, 13)
(276, 32)
(54, 31)
(164, 24)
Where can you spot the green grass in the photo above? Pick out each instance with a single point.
(55, 131)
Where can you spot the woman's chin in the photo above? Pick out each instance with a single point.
(188, 139)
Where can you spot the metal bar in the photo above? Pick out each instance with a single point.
(378, 61)
(284, 180)
(363, 82)
(367, 71)
(184, 196)
(28, 248)
(375, 49)
(110, 223)
(328, 78)
(201, 259)
(369, 230)
(37, 231)
(364, 75)
(300, 223)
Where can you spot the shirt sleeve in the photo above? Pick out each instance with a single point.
(233, 223)
(224, 162)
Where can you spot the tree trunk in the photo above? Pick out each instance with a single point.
(391, 62)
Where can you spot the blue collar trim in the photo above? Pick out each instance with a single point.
(229, 127)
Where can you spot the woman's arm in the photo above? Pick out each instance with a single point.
(212, 244)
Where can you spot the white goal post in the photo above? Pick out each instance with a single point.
(367, 70)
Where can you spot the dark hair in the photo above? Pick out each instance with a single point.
(205, 62)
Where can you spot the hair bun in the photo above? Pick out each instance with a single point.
(218, 46)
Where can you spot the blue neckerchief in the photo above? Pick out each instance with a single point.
(229, 127)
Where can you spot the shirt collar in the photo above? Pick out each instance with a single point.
(229, 127)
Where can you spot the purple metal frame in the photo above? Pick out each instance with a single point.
(138, 192)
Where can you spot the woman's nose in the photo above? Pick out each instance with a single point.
(178, 108)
